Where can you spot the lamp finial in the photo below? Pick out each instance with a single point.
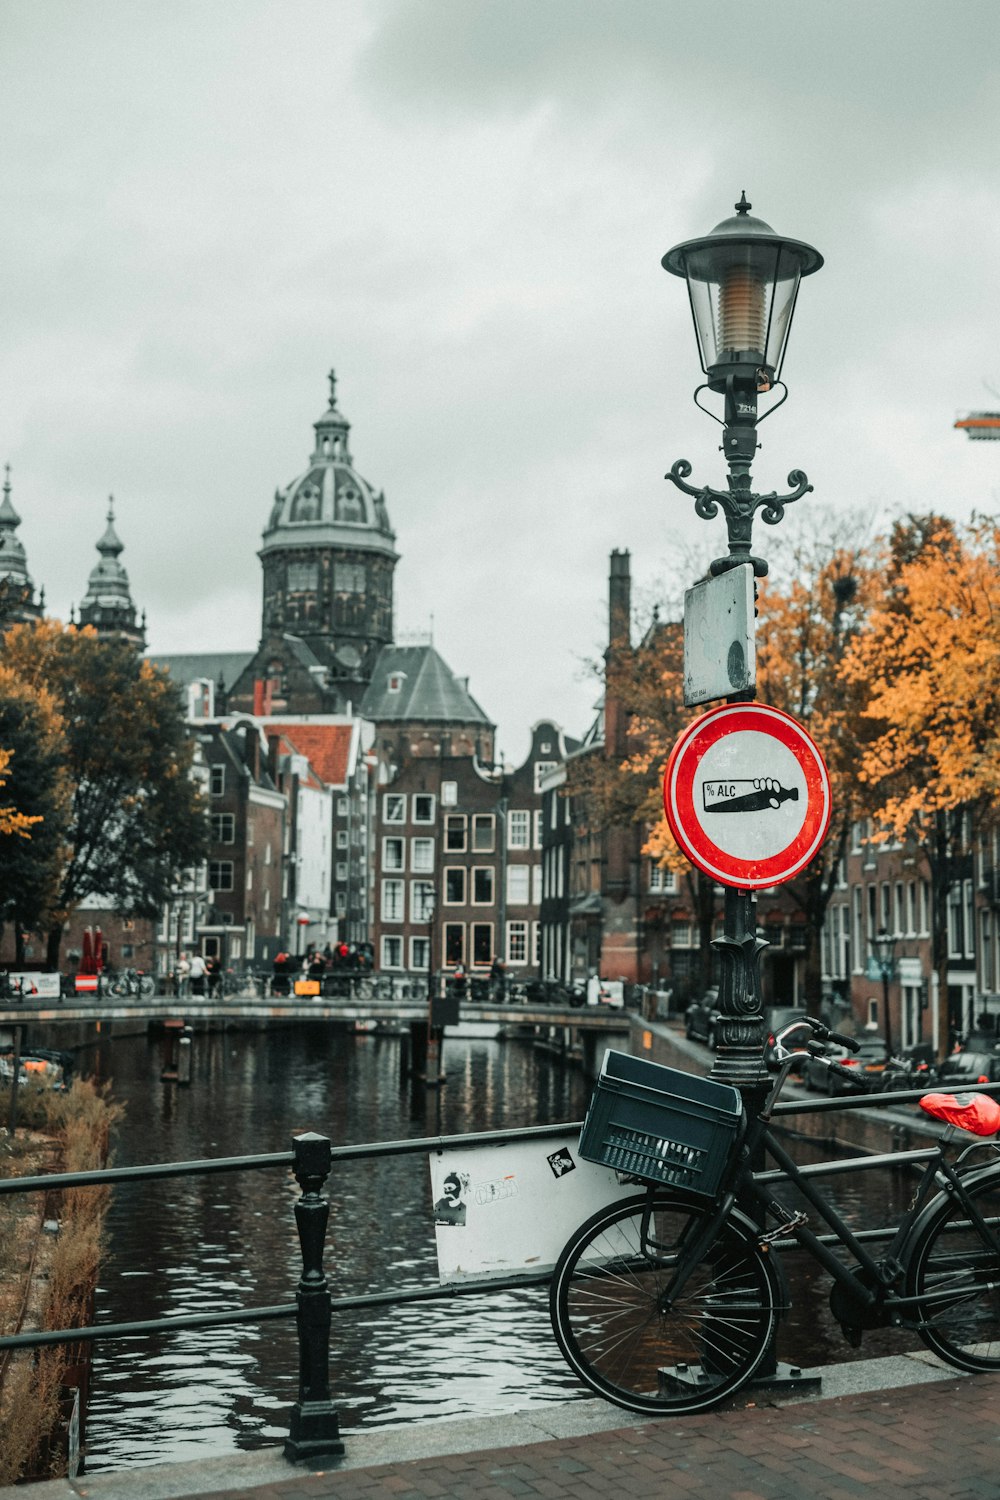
(743, 207)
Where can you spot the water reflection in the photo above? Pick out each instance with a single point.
(214, 1242)
(228, 1241)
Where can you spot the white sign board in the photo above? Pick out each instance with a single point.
(503, 1209)
(34, 985)
(720, 652)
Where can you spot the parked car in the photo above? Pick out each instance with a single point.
(965, 1068)
(702, 1018)
(776, 1018)
(867, 1066)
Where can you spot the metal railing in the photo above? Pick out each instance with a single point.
(314, 1430)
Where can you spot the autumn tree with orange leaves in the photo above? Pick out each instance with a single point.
(928, 661)
(136, 819)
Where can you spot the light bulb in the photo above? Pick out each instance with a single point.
(742, 312)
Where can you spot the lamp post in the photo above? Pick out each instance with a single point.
(742, 281)
(884, 946)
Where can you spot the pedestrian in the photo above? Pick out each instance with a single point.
(197, 972)
(498, 981)
(183, 974)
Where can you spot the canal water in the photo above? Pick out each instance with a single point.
(228, 1240)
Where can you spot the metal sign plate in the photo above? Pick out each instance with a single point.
(747, 795)
(719, 637)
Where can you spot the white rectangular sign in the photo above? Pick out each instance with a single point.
(503, 1209)
(720, 653)
(35, 986)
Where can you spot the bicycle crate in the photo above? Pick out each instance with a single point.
(661, 1125)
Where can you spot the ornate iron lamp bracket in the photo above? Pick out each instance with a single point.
(739, 505)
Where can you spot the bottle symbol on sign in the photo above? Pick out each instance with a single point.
(737, 796)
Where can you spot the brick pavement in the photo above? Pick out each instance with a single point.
(939, 1441)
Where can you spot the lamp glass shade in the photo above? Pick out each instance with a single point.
(885, 946)
(742, 300)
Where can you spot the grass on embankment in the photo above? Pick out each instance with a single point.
(50, 1278)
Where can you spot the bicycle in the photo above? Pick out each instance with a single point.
(668, 1302)
(132, 982)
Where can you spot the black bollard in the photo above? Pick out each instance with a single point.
(314, 1429)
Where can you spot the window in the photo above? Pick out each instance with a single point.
(421, 901)
(449, 793)
(216, 780)
(392, 953)
(250, 878)
(536, 885)
(483, 833)
(420, 953)
(422, 856)
(454, 885)
(223, 827)
(392, 900)
(482, 886)
(518, 884)
(349, 578)
(343, 807)
(341, 873)
(396, 680)
(542, 769)
(517, 942)
(454, 943)
(393, 854)
(482, 942)
(518, 829)
(302, 576)
(536, 840)
(341, 838)
(455, 833)
(394, 807)
(661, 879)
(680, 933)
(423, 807)
(220, 874)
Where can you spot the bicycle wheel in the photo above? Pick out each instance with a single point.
(605, 1302)
(956, 1265)
(147, 985)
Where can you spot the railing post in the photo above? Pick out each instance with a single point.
(314, 1429)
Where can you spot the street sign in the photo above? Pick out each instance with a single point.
(719, 646)
(747, 795)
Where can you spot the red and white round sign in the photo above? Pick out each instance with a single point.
(747, 795)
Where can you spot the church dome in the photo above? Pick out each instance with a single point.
(330, 505)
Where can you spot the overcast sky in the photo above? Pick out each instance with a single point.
(462, 205)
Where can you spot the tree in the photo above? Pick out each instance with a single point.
(806, 627)
(136, 818)
(38, 784)
(930, 653)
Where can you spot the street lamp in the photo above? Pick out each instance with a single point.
(742, 281)
(884, 945)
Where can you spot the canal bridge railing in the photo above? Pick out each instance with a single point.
(314, 1429)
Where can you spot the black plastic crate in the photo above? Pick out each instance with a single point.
(661, 1125)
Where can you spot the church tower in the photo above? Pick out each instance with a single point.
(107, 604)
(18, 603)
(328, 557)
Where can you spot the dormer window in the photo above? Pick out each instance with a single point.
(396, 680)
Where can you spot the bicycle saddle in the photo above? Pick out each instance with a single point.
(976, 1112)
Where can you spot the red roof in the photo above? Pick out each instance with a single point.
(327, 747)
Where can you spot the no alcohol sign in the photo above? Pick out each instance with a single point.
(747, 795)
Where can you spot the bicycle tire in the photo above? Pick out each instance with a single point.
(118, 988)
(604, 1300)
(952, 1257)
(147, 985)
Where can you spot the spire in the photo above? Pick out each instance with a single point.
(108, 604)
(17, 592)
(331, 431)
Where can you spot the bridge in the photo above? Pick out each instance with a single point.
(300, 1008)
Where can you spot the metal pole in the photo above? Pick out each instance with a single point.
(314, 1428)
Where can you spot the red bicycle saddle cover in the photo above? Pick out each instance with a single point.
(976, 1112)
